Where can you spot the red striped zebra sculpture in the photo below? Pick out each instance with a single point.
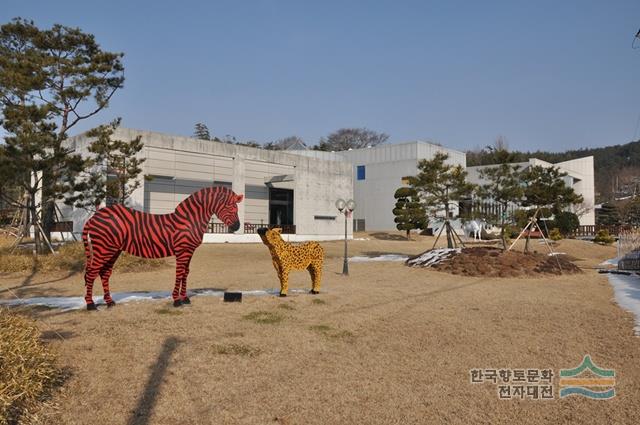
(118, 228)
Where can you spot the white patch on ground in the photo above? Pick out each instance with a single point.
(551, 254)
(384, 257)
(361, 239)
(433, 257)
(627, 294)
(77, 303)
(611, 262)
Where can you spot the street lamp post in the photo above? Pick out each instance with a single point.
(346, 208)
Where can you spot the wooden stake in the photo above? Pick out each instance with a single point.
(439, 233)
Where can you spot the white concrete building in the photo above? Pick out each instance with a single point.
(296, 188)
(293, 191)
(378, 172)
(580, 176)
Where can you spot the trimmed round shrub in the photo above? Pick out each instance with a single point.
(555, 234)
(603, 237)
(566, 222)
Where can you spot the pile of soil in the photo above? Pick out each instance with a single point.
(493, 262)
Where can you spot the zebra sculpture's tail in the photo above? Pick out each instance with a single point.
(88, 247)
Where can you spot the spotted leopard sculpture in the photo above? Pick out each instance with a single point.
(287, 257)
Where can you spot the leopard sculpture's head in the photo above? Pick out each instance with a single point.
(271, 237)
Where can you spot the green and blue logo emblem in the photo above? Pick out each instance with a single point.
(588, 380)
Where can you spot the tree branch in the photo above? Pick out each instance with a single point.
(82, 117)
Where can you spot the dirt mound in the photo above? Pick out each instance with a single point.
(493, 262)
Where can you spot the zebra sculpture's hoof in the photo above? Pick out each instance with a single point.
(111, 304)
(91, 307)
(177, 303)
(314, 292)
(186, 300)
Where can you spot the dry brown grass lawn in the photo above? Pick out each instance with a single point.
(28, 372)
(69, 257)
(388, 344)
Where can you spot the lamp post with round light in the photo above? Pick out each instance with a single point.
(346, 208)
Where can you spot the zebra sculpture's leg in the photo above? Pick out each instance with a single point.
(183, 285)
(105, 274)
(94, 267)
(90, 275)
(182, 265)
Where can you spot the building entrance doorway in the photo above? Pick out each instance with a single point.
(280, 206)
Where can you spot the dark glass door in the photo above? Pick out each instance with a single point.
(280, 206)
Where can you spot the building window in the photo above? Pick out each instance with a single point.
(361, 172)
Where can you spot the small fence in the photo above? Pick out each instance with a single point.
(592, 230)
(218, 228)
(249, 228)
(287, 229)
(628, 241)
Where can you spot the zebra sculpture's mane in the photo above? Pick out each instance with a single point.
(208, 202)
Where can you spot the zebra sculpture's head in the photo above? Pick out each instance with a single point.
(227, 209)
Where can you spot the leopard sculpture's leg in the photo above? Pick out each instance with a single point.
(283, 275)
(315, 270)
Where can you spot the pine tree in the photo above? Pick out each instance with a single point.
(201, 131)
(31, 150)
(114, 169)
(439, 184)
(53, 79)
(545, 188)
(608, 215)
(409, 211)
(503, 188)
(632, 213)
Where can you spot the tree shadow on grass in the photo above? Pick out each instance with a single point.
(28, 281)
(53, 334)
(414, 297)
(141, 415)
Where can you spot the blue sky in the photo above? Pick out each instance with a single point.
(545, 74)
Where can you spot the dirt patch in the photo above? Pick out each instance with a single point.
(493, 262)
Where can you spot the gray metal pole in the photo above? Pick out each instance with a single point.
(345, 265)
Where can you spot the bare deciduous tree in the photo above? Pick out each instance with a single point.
(351, 138)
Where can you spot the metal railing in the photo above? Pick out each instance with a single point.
(249, 228)
(287, 229)
(592, 230)
(218, 228)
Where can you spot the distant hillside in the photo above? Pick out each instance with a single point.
(617, 168)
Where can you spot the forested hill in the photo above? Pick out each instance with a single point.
(616, 166)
